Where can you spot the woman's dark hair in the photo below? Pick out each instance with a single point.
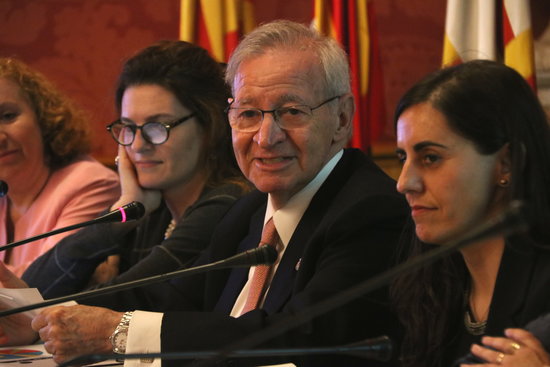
(491, 105)
(64, 127)
(196, 80)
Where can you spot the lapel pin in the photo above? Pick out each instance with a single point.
(297, 267)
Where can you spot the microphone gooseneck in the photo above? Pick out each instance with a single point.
(131, 211)
(244, 259)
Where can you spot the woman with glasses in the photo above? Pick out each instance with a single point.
(174, 156)
(47, 179)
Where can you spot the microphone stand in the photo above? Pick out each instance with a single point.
(137, 211)
(512, 220)
(51, 233)
(376, 348)
(257, 256)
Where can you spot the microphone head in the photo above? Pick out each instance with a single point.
(261, 255)
(133, 211)
(265, 255)
(3, 188)
(380, 349)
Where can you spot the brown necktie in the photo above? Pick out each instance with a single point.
(261, 273)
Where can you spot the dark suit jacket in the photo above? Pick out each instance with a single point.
(348, 234)
(540, 328)
(521, 294)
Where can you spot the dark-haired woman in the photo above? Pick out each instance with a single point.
(175, 157)
(472, 138)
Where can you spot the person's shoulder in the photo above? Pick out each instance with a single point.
(253, 198)
(364, 177)
(85, 174)
(216, 199)
(360, 189)
(227, 191)
(248, 204)
(86, 168)
(236, 222)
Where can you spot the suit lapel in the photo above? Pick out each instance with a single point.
(239, 276)
(283, 282)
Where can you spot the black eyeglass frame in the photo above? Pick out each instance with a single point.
(274, 111)
(134, 128)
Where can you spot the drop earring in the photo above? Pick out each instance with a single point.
(503, 182)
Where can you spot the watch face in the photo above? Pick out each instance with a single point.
(119, 341)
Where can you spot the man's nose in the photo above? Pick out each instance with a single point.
(269, 133)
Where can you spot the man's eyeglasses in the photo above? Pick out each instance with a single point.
(288, 117)
(153, 132)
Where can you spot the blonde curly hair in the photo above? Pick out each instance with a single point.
(64, 128)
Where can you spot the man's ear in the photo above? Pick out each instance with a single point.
(346, 110)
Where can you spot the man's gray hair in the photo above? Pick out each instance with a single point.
(285, 34)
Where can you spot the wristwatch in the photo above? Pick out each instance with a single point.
(119, 337)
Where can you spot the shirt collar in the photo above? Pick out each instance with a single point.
(286, 219)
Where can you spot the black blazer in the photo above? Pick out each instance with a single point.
(521, 294)
(348, 234)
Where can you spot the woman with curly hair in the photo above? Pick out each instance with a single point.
(53, 183)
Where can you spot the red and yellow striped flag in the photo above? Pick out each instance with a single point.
(474, 28)
(518, 38)
(352, 24)
(216, 25)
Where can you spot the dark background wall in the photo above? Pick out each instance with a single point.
(81, 44)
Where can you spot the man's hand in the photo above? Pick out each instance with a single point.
(72, 331)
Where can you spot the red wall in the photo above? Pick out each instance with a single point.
(80, 45)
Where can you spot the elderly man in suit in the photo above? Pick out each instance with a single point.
(333, 216)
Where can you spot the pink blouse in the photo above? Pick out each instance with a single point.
(73, 194)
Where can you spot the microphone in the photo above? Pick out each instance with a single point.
(511, 220)
(131, 211)
(263, 255)
(379, 349)
(3, 188)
